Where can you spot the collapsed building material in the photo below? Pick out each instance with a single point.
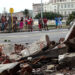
(15, 57)
(35, 47)
(7, 48)
(18, 48)
(61, 40)
(71, 45)
(26, 69)
(9, 69)
(70, 39)
(67, 60)
(49, 67)
(39, 53)
(48, 49)
(71, 33)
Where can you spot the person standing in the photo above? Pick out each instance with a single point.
(31, 24)
(14, 23)
(45, 23)
(56, 21)
(59, 22)
(40, 23)
(26, 23)
(10, 24)
(3, 23)
(18, 25)
(21, 24)
(6, 23)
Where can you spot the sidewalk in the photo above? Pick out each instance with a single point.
(26, 30)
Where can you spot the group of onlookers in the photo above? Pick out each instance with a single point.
(43, 23)
(15, 24)
(19, 25)
(27, 23)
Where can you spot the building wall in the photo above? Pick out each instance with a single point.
(50, 7)
(64, 7)
(36, 9)
(18, 15)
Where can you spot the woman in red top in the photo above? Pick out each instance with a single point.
(28, 22)
(21, 24)
(45, 23)
(31, 24)
(40, 24)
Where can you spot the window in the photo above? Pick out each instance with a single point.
(65, 13)
(72, 5)
(65, 5)
(60, 0)
(54, 10)
(61, 5)
(62, 12)
(68, 5)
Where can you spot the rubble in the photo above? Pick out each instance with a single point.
(9, 69)
(50, 67)
(34, 47)
(43, 57)
(67, 60)
(70, 38)
(26, 69)
(33, 56)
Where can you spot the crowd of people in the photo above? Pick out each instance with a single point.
(25, 23)
(19, 25)
(43, 23)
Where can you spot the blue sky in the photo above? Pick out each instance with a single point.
(18, 5)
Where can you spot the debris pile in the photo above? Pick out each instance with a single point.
(43, 57)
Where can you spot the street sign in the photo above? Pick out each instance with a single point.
(11, 10)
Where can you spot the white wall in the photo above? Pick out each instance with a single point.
(65, 7)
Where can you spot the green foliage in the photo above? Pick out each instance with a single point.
(5, 40)
(70, 18)
(48, 15)
(9, 40)
(26, 12)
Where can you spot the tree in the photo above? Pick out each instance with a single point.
(48, 15)
(26, 12)
(70, 18)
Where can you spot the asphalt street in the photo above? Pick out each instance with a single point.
(29, 37)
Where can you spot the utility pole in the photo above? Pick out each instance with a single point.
(42, 12)
(45, 7)
(4, 12)
(41, 9)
